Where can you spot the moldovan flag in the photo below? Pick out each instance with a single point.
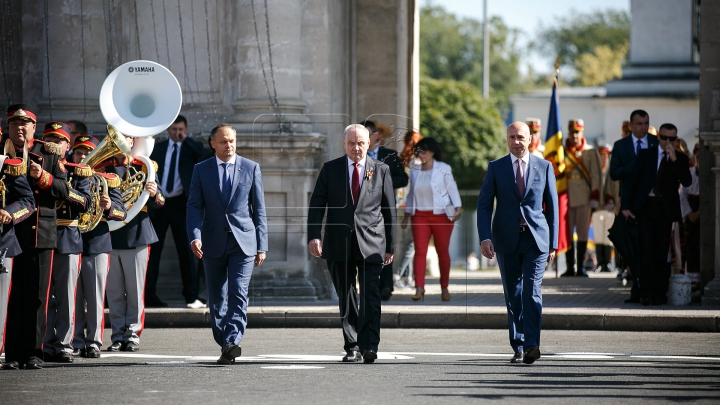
(555, 153)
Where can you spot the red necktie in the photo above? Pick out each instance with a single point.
(519, 179)
(356, 184)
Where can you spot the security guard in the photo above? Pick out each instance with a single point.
(128, 262)
(583, 174)
(536, 147)
(66, 262)
(17, 204)
(95, 261)
(37, 236)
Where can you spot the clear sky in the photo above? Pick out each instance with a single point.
(527, 15)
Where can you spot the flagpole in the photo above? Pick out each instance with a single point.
(557, 77)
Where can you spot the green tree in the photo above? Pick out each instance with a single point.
(601, 66)
(468, 128)
(452, 48)
(580, 34)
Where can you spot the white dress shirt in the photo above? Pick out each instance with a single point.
(643, 143)
(177, 184)
(424, 191)
(361, 170)
(230, 169)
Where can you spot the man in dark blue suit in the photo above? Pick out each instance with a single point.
(524, 234)
(622, 164)
(226, 217)
(176, 159)
(651, 196)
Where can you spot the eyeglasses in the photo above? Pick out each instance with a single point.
(668, 138)
(419, 152)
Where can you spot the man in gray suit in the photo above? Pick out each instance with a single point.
(357, 192)
(524, 234)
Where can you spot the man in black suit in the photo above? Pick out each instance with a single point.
(622, 163)
(652, 198)
(176, 159)
(399, 180)
(359, 237)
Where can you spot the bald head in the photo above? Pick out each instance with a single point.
(518, 138)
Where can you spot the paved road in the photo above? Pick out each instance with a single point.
(416, 366)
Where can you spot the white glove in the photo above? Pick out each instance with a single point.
(609, 207)
(593, 204)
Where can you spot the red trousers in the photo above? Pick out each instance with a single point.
(424, 225)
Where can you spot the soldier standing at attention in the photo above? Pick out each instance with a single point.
(536, 147)
(583, 174)
(27, 308)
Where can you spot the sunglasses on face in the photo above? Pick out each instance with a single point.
(667, 138)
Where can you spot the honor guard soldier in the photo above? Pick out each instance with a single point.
(128, 261)
(536, 147)
(37, 236)
(582, 173)
(95, 261)
(66, 262)
(17, 204)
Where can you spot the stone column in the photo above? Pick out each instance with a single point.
(712, 289)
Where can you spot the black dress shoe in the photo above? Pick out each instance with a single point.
(10, 365)
(518, 357)
(115, 347)
(63, 357)
(229, 353)
(48, 357)
(34, 363)
(659, 301)
(132, 347)
(581, 273)
(645, 301)
(92, 353)
(155, 302)
(532, 354)
(352, 356)
(568, 273)
(385, 294)
(632, 300)
(369, 356)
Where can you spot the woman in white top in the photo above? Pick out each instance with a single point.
(434, 205)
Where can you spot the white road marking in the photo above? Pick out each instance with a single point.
(293, 367)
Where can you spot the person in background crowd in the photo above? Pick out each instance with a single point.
(681, 146)
(176, 158)
(77, 128)
(652, 131)
(434, 205)
(583, 174)
(95, 261)
(399, 180)
(602, 218)
(690, 207)
(626, 129)
(409, 160)
(536, 146)
(653, 200)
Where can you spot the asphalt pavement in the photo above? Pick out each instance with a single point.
(415, 366)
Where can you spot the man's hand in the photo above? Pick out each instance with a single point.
(5, 217)
(551, 255)
(388, 259)
(694, 216)
(315, 247)
(105, 202)
(671, 152)
(487, 249)
(405, 221)
(260, 258)
(151, 188)
(196, 247)
(35, 170)
(627, 214)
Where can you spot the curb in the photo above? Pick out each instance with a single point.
(473, 318)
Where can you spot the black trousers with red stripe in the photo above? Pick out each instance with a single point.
(27, 308)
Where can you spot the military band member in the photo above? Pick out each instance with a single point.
(536, 147)
(583, 174)
(37, 236)
(95, 261)
(128, 262)
(66, 262)
(17, 204)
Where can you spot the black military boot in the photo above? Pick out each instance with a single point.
(570, 262)
(581, 250)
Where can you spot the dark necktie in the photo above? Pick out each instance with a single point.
(226, 183)
(170, 185)
(519, 179)
(356, 184)
(638, 147)
(661, 169)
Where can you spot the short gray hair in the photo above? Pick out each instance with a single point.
(357, 128)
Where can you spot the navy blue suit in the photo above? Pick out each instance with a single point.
(232, 234)
(522, 255)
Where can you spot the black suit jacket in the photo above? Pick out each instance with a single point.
(623, 159)
(397, 172)
(642, 180)
(191, 153)
(373, 221)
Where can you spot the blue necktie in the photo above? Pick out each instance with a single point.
(226, 183)
(637, 149)
(170, 185)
